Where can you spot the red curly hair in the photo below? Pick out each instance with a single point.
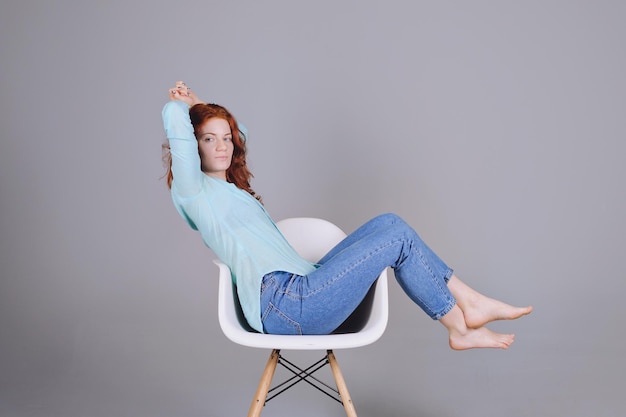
(238, 172)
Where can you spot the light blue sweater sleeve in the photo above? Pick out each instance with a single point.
(186, 166)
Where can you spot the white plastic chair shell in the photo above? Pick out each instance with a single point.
(312, 239)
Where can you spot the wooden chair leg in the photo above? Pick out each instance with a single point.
(341, 385)
(264, 385)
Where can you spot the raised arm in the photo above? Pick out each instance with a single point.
(183, 145)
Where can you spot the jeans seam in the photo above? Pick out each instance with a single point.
(446, 277)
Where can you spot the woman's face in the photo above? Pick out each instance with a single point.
(215, 146)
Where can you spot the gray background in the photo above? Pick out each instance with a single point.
(496, 128)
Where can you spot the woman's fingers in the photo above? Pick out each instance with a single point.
(180, 92)
(192, 96)
(182, 88)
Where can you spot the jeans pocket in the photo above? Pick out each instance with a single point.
(267, 281)
(276, 322)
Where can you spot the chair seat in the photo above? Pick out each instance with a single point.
(236, 329)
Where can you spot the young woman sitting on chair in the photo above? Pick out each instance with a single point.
(280, 292)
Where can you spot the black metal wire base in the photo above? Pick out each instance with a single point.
(304, 375)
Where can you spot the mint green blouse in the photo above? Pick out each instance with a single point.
(231, 222)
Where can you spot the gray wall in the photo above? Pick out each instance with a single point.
(495, 128)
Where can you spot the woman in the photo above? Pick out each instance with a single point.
(280, 292)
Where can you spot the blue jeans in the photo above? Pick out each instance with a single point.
(319, 302)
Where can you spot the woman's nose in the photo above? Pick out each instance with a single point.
(221, 144)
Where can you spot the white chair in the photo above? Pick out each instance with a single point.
(312, 239)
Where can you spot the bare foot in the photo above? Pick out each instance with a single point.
(479, 309)
(480, 338)
(461, 337)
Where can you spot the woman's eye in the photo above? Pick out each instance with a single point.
(228, 139)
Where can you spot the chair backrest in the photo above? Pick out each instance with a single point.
(311, 238)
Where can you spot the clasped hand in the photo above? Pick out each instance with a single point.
(183, 93)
